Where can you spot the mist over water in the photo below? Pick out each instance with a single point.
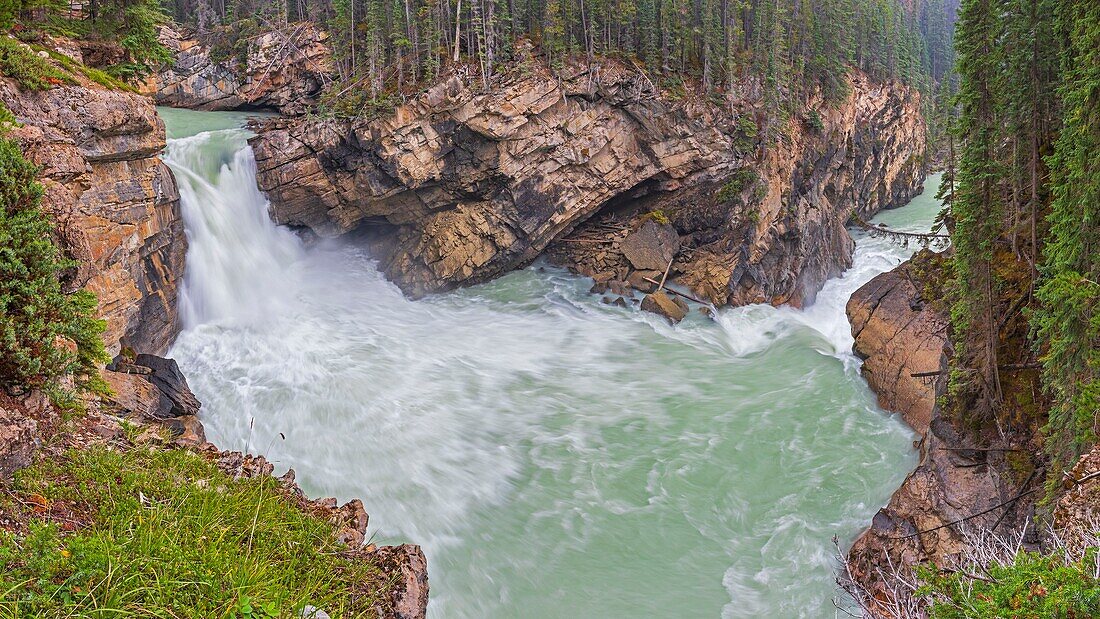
(554, 456)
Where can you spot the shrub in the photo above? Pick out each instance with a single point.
(738, 183)
(1034, 585)
(7, 119)
(358, 103)
(747, 132)
(23, 65)
(36, 316)
(814, 121)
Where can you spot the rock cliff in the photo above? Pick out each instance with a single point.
(458, 186)
(961, 474)
(897, 336)
(285, 71)
(114, 201)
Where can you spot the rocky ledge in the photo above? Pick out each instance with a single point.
(31, 427)
(900, 331)
(459, 185)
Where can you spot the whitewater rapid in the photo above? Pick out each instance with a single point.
(555, 456)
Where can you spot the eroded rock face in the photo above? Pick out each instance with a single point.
(19, 435)
(459, 186)
(897, 337)
(899, 333)
(115, 203)
(1077, 514)
(283, 71)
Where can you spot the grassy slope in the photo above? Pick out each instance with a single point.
(117, 530)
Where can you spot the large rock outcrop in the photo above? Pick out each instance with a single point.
(285, 71)
(115, 203)
(458, 186)
(773, 231)
(963, 477)
(896, 336)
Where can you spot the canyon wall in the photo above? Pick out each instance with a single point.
(114, 201)
(458, 185)
(280, 71)
(899, 330)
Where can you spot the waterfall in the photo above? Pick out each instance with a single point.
(236, 256)
(553, 454)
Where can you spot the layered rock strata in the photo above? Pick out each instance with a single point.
(897, 336)
(458, 185)
(115, 203)
(281, 70)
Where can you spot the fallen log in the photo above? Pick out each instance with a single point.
(676, 292)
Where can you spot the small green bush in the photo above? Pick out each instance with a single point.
(738, 183)
(24, 66)
(358, 103)
(7, 119)
(814, 121)
(164, 533)
(747, 132)
(35, 315)
(658, 216)
(1033, 586)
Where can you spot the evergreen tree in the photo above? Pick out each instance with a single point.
(977, 208)
(1068, 319)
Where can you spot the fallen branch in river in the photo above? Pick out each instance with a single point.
(676, 292)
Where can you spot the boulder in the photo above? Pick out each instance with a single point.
(133, 395)
(353, 521)
(652, 246)
(409, 595)
(186, 430)
(637, 279)
(17, 441)
(619, 287)
(897, 336)
(177, 399)
(663, 304)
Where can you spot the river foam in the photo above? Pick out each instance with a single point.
(554, 455)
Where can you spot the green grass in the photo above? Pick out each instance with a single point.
(163, 533)
(7, 119)
(99, 77)
(1033, 586)
(27, 68)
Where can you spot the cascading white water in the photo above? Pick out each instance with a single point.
(554, 455)
(236, 255)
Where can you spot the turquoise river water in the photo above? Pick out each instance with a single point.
(554, 456)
